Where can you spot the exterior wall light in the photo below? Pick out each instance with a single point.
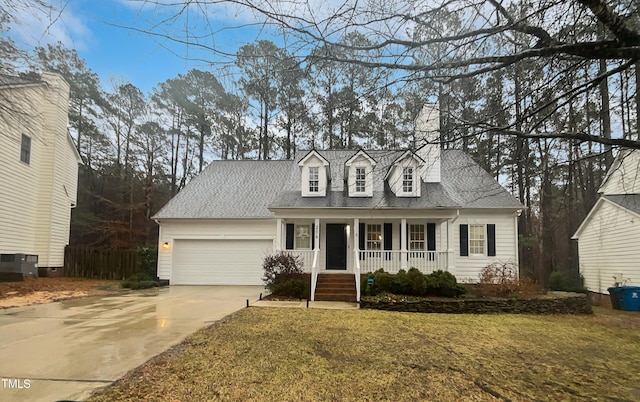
(165, 245)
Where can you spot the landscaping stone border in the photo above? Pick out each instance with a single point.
(551, 303)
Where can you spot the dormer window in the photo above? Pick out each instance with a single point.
(313, 180)
(407, 180)
(361, 183)
(359, 174)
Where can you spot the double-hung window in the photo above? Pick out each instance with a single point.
(303, 237)
(25, 149)
(416, 237)
(374, 237)
(407, 180)
(313, 180)
(476, 239)
(361, 182)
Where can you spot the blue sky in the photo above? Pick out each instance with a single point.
(103, 32)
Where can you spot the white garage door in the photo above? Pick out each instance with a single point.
(219, 262)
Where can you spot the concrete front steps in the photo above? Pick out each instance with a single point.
(336, 287)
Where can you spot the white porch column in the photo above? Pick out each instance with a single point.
(316, 234)
(278, 242)
(356, 238)
(403, 244)
(451, 266)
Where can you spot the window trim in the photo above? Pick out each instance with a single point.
(407, 179)
(314, 179)
(25, 149)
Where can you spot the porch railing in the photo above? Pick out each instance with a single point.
(314, 274)
(306, 256)
(391, 261)
(356, 274)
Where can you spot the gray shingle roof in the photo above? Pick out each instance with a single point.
(11, 80)
(246, 189)
(229, 189)
(628, 201)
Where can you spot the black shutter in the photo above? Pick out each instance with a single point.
(313, 236)
(388, 239)
(361, 239)
(431, 240)
(491, 240)
(431, 237)
(408, 238)
(464, 240)
(290, 234)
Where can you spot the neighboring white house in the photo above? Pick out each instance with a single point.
(342, 211)
(38, 168)
(608, 237)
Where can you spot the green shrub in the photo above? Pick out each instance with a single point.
(148, 261)
(141, 280)
(417, 282)
(444, 284)
(411, 283)
(291, 288)
(568, 281)
(401, 285)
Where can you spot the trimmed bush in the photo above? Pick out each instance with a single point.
(412, 283)
(568, 281)
(291, 288)
(444, 284)
(141, 280)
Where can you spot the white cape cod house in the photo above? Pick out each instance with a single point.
(342, 211)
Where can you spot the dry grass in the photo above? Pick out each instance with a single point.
(305, 354)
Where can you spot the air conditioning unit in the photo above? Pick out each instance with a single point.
(18, 265)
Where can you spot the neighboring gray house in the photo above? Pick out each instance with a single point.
(608, 237)
(342, 211)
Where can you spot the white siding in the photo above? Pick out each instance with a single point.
(608, 245)
(35, 208)
(625, 176)
(428, 132)
(173, 230)
(467, 269)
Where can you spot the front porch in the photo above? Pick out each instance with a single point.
(363, 245)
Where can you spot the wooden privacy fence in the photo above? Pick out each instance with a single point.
(88, 262)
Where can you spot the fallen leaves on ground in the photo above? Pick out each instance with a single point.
(45, 290)
(368, 355)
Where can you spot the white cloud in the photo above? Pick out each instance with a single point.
(37, 25)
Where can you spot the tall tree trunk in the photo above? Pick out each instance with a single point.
(605, 113)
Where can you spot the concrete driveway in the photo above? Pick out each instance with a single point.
(65, 350)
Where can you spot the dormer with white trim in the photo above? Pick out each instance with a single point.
(403, 176)
(359, 174)
(428, 142)
(314, 177)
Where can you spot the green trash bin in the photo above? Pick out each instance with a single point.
(615, 293)
(630, 300)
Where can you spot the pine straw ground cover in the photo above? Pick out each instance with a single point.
(358, 355)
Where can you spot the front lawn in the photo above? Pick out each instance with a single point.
(307, 354)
